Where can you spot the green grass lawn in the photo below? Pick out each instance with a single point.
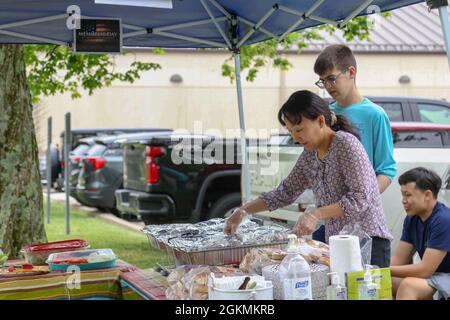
(128, 245)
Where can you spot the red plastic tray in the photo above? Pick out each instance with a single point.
(66, 245)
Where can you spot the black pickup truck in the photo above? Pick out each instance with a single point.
(175, 178)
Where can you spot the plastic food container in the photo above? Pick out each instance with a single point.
(250, 294)
(264, 291)
(84, 259)
(37, 254)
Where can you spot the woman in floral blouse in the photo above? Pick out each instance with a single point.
(336, 167)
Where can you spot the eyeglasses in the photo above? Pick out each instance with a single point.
(331, 79)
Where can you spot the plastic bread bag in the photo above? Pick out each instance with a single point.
(313, 251)
(177, 291)
(196, 280)
(255, 260)
(176, 279)
(177, 275)
(365, 241)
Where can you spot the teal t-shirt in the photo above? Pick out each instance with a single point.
(375, 134)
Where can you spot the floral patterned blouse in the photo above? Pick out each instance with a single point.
(344, 176)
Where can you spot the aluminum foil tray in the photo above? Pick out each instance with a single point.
(217, 256)
(155, 243)
(205, 243)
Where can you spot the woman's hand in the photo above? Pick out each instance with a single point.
(307, 223)
(233, 221)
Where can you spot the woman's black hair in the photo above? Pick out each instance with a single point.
(307, 104)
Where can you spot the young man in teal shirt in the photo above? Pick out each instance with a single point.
(336, 67)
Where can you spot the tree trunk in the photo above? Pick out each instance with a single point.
(21, 210)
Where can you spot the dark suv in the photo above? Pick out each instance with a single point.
(78, 134)
(181, 177)
(75, 158)
(101, 171)
(55, 164)
(86, 136)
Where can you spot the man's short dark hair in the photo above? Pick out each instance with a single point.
(339, 56)
(424, 178)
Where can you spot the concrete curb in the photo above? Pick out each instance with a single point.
(74, 204)
(118, 221)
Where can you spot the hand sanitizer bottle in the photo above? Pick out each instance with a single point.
(291, 241)
(369, 289)
(295, 276)
(335, 291)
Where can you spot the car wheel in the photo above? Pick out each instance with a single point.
(148, 221)
(223, 207)
(128, 216)
(59, 184)
(115, 212)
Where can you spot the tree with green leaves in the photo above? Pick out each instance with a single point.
(27, 74)
(31, 72)
(257, 56)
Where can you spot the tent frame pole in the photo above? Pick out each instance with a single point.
(257, 26)
(323, 20)
(246, 195)
(445, 24)
(139, 31)
(176, 36)
(312, 17)
(189, 24)
(34, 21)
(355, 12)
(29, 22)
(303, 18)
(221, 9)
(33, 38)
(252, 24)
(213, 19)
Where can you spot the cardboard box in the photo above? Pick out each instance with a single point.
(382, 277)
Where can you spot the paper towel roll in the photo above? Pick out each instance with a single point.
(345, 255)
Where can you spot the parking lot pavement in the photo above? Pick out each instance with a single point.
(74, 204)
